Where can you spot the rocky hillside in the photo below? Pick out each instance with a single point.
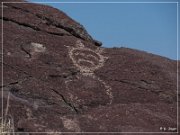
(57, 78)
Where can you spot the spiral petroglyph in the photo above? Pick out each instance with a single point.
(87, 61)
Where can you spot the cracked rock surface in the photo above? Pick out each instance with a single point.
(59, 79)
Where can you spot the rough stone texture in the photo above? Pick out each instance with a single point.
(59, 80)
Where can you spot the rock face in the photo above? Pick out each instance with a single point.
(56, 78)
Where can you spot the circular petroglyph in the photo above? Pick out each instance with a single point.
(88, 91)
(87, 61)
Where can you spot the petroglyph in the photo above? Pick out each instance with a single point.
(108, 90)
(38, 47)
(33, 49)
(87, 61)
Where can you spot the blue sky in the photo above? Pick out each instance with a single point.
(148, 27)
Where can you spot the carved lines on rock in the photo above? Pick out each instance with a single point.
(87, 61)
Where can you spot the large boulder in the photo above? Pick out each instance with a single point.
(56, 78)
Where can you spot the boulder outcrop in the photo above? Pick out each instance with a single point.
(57, 78)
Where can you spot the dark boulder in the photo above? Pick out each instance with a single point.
(57, 78)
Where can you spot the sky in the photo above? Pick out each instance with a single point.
(149, 27)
